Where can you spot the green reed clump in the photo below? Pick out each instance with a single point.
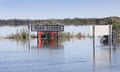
(22, 34)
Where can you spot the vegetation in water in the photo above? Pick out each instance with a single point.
(22, 34)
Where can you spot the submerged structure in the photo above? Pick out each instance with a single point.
(47, 35)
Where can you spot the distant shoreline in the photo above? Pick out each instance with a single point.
(66, 21)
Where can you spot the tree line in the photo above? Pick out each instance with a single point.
(115, 21)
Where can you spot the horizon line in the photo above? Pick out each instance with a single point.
(55, 18)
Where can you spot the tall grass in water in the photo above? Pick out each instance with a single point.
(22, 34)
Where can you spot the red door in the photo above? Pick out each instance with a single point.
(40, 34)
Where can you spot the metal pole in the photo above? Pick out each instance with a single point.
(114, 38)
(37, 38)
(110, 41)
(94, 43)
(93, 31)
(110, 36)
(29, 36)
(57, 39)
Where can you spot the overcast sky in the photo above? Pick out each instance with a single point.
(46, 9)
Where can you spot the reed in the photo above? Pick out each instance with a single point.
(22, 34)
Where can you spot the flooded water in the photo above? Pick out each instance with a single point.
(73, 55)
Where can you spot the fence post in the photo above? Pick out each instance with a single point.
(110, 36)
(93, 29)
(114, 38)
(29, 36)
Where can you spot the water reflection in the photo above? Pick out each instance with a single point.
(44, 43)
(21, 42)
(105, 58)
(49, 43)
(64, 55)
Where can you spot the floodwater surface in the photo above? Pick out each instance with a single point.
(72, 55)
